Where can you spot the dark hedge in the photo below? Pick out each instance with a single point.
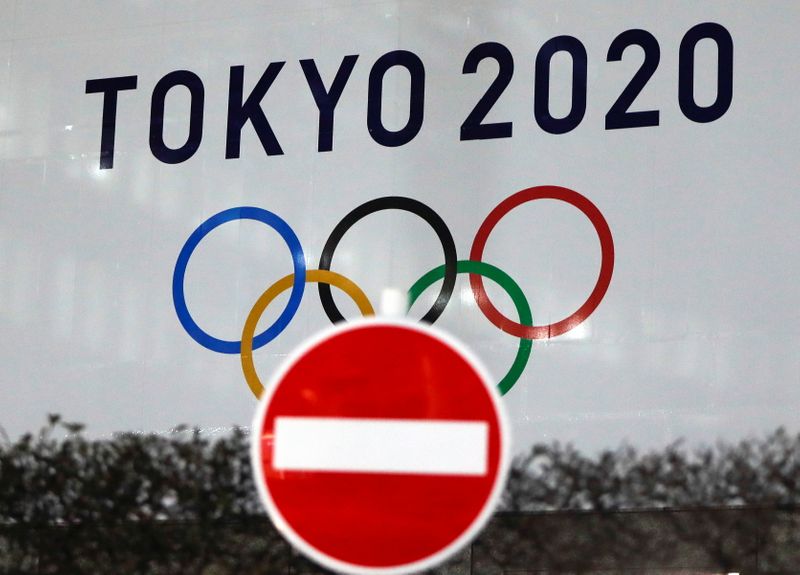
(186, 503)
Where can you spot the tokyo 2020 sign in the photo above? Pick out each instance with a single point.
(597, 200)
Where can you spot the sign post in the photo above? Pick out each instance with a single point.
(380, 447)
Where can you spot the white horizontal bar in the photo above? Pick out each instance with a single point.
(413, 446)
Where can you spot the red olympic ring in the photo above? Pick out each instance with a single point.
(603, 279)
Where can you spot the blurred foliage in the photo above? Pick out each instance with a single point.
(136, 503)
(753, 472)
(186, 503)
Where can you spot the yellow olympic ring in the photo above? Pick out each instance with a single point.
(280, 286)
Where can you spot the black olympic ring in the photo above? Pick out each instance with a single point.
(393, 203)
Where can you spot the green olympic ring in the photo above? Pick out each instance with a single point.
(502, 279)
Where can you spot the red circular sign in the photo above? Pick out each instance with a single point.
(380, 447)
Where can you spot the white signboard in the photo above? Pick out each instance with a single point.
(631, 167)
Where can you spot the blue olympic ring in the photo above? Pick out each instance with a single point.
(178, 296)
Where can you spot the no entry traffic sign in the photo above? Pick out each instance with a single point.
(380, 447)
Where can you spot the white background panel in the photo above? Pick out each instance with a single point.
(697, 336)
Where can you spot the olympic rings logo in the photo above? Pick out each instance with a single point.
(477, 269)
